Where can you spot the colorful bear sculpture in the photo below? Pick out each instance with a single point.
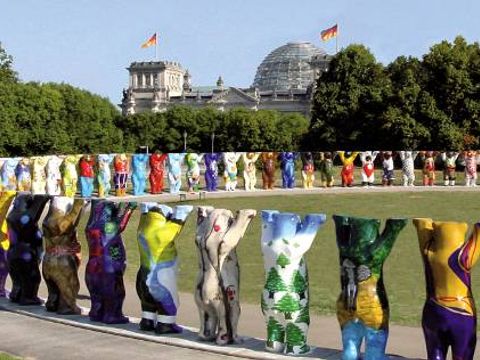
(449, 316)
(6, 199)
(217, 291)
(362, 307)
(107, 259)
(157, 172)
(25, 249)
(139, 173)
(285, 298)
(159, 227)
(62, 254)
(211, 170)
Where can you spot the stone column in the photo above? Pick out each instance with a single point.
(135, 80)
(160, 79)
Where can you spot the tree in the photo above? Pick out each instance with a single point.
(304, 316)
(275, 332)
(180, 120)
(348, 100)
(32, 122)
(274, 283)
(287, 305)
(291, 130)
(282, 260)
(243, 130)
(144, 129)
(299, 284)
(90, 120)
(208, 121)
(7, 74)
(400, 127)
(268, 125)
(452, 74)
(295, 337)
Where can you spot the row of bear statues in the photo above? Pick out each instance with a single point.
(55, 175)
(449, 316)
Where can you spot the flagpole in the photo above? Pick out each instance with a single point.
(156, 47)
(336, 42)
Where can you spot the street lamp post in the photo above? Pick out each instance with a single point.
(213, 140)
(184, 140)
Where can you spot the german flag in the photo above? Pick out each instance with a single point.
(327, 34)
(150, 42)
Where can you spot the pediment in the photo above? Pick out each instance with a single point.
(232, 96)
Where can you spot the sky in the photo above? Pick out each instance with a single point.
(89, 43)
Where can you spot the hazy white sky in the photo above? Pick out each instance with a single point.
(89, 43)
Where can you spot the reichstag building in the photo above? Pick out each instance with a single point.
(284, 81)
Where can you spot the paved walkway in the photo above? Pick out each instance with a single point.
(167, 197)
(324, 333)
(41, 335)
(32, 338)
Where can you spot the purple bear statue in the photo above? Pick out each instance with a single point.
(211, 170)
(107, 261)
(287, 160)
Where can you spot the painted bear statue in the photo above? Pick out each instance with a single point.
(362, 307)
(217, 291)
(139, 173)
(6, 199)
(159, 227)
(107, 259)
(25, 249)
(62, 254)
(285, 298)
(104, 174)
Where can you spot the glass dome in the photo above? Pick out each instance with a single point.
(287, 67)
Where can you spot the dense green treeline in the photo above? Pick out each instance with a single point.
(52, 118)
(55, 118)
(432, 103)
(234, 130)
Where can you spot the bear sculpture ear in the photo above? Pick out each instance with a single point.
(203, 212)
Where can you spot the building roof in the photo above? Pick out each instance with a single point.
(287, 67)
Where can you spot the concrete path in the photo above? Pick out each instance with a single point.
(182, 196)
(32, 338)
(324, 333)
(41, 335)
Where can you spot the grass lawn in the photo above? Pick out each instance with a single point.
(4, 356)
(403, 270)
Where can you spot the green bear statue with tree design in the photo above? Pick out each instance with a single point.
(285, 299)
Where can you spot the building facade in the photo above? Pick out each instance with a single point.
(284, 82)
